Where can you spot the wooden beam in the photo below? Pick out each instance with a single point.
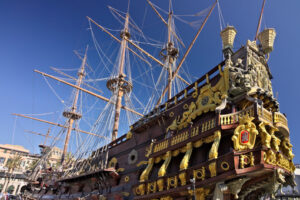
(71, 77)
(259, 21)
(87, 91)
(60, 125)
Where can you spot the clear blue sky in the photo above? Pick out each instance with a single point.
(37, 34)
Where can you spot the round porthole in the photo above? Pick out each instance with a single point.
(225, 166)
(132, 157)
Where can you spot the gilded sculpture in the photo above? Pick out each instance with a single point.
(213, 153)
(286, 147)
(208, 99)
(245, 134)
(265, 136)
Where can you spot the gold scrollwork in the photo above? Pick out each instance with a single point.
(151, 187)
(144, 176)
(163, 169)
(172, 182)
(113, 162)
(160, 184)
(212, 169)
(140, 190)
(245, 134)
(126, 179)
(199, 174)
(225, 166)
(185, 160)
(185, 106)
(213, 153)
(129, 135)
(208, 99)
(182, 177)
(171, 114)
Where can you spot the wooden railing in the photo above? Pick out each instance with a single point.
(233, 118)
(280, 118)
(183, 136)
(264, 114)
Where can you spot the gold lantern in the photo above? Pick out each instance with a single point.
(228, 35)
(266, 38)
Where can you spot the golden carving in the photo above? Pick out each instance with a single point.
(126, 179)
(180, 138)
(182, 177)
(166, 198)
(210, 124)
(129, 135)
(160, 146)
(113, 162)
(158, 159)
(201, 193)
(213, 153)
(270, 157)
(175, 152)
(151, 187)
(163, 169)
(172, 182)
(248, 127)
(225, 165)
(242, 161)
(198, 143)
(160, 184)
(126, 194)
(199, 174)
(275, 143)
(286, 147)
(149, 150)
(185, 160)
(171, 114)
(251, 159)
(140, 190)
(208, 99)
(146, 172)
(195, 131)
(142, 163)
(212, 169)
(185, 106)
(265, 136)
(120, 170)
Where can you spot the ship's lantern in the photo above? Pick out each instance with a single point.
(228, 35)
(266, 38)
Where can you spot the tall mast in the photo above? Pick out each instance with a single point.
(169, 53)
(72, 114)
(119, 84)
(169, 57)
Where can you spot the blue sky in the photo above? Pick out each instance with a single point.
(38, 34)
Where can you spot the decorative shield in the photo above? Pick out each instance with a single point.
(244, 137)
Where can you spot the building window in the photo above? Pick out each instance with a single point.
(1, 187)
(10, 189)
(2, 160)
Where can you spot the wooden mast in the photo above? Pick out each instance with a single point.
(259, 21)
(72, 114)
(187, 52)
(121, 80)
(170, 60)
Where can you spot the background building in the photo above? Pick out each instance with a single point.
(16, 162)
